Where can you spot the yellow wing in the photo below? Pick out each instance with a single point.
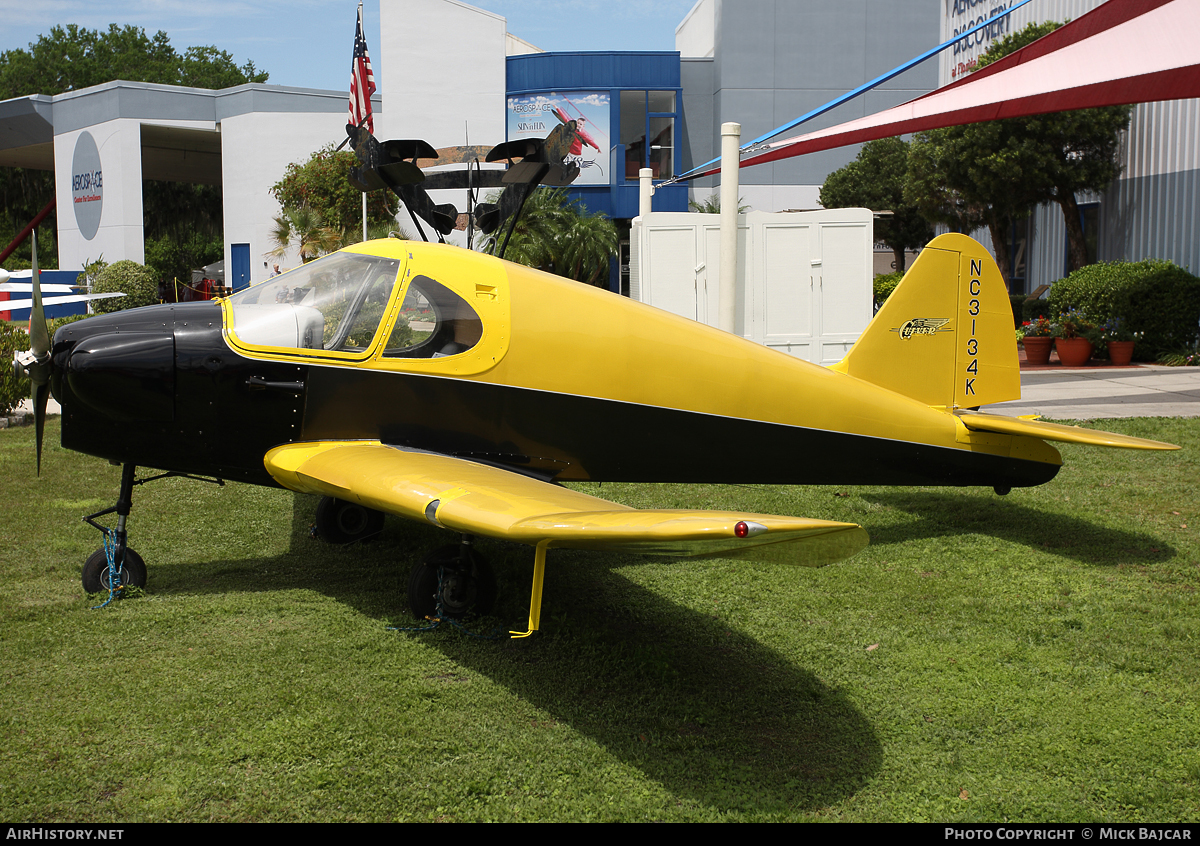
(477, 499)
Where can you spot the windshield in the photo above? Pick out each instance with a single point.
(334, 303)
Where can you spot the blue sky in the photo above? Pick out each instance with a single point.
(308, 43)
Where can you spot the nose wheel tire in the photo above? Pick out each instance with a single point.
(338, 521)
(132, 571)
(468, 585)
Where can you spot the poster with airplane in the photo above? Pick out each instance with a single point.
(586, 116)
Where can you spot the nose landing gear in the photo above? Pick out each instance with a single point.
(128, 569)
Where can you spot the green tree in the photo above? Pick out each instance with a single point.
(175, 258)
(875, 180)
(996, 171)
(712, 205)
(305, 228)
(72, 57)
(323, 185)
(973, 176)
(560, 236)
(182, 225)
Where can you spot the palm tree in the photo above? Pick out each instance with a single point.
(713, 205)
(305, 227)
(561, 236)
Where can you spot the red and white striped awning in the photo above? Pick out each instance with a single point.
(1124, 51)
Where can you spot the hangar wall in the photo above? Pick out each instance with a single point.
(117, 234)
(774, 60)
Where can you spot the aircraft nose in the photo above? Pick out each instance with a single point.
(124, 375)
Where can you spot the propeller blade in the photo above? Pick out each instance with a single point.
(39, 348)
(39, 333)
(41, 393)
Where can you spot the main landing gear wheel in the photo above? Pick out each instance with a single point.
(132, 571)
(468, 585)
(338, 521)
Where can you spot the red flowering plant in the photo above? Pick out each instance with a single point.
(1075, 324)
(1040, 328)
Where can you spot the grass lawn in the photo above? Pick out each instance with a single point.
(1033, 657)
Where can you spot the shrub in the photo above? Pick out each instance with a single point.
(138, 283)
(58, 322)
(1156, 297)
(883, 286)
(13, 389)
(1017, 301)
(1032, 309)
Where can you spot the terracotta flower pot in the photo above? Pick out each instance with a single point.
(1037, 350)
(1073, 352)
(1120, 353)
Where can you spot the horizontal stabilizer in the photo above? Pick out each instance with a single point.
(477, 499)
(518, 149)
(401, 173)
(408, 149)
(526, 173)
(1000, 424)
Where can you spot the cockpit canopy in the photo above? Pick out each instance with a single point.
(338, 304)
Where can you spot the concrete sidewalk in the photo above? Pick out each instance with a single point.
(1090, 393)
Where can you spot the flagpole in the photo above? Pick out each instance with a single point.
(362, 85)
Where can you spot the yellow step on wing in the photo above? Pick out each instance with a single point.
(463, 496)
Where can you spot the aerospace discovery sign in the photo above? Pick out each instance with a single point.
(87, 185)
(534, 115)
(962, 15)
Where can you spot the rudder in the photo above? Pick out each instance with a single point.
(945, 336)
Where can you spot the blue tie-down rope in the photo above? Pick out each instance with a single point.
(115, 588)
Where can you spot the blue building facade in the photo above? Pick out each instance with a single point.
(631, 105)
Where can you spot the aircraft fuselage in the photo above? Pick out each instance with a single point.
(173, 387)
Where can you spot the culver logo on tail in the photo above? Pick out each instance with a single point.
(922, 326)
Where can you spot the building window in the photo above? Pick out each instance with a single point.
(648, 132)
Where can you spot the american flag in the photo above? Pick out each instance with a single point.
(362, 81)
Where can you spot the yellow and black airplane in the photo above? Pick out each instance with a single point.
(445, 386)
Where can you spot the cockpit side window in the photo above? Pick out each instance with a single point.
(334, 303)
(433, 322)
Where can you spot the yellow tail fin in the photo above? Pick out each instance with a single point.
(945, 335)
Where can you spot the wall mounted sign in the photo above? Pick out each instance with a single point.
(87, 185)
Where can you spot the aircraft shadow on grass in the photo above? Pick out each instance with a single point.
(1081, 538)
(814, 751)
(728, 742)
